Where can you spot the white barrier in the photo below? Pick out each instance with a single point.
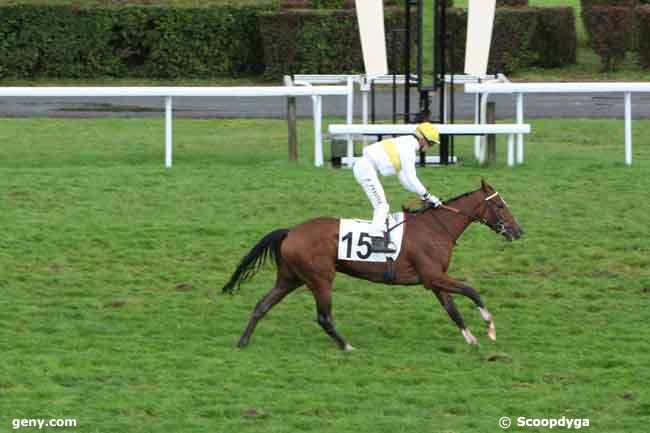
(365, 83)
(445, 129)
(317, 92)
(520, 89)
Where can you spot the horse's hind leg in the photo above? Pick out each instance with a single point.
(449, 305)
(448, 284)
(276, 294)
(323, 294)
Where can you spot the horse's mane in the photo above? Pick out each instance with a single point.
(458, 197)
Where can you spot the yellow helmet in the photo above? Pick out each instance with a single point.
(428, 131)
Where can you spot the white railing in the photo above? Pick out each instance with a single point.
(398, 79)
(520, 89)
(317, 92)
(445, 129)
(318, 110)
(365, 83)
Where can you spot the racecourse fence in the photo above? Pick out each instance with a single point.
(444, 128)
(167, 93)
(519, 89)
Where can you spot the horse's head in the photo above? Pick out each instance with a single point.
(496, 214)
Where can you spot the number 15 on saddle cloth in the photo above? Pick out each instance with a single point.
(355, 243)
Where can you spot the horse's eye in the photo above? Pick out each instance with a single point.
(500, 206)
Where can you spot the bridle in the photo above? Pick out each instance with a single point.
(499, 227)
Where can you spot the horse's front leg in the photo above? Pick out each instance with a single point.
(449, 305)
(448, 284)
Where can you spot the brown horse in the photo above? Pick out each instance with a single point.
(307, 254)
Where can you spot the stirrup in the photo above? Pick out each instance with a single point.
(382, 244)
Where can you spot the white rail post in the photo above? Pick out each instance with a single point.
(477, 120)
(318, 137)
(168, 131)
(520, 119)
(511, 150)
(365, 88)
(628, 128)
(350, 111)
(483, 139)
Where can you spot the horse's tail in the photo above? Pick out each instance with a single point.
(269, 245)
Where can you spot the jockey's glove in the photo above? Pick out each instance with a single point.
(435, 201)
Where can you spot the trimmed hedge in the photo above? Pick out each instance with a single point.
(587, 7)
(152, 42)
(545, 37)
(317, 41)
(611, 27)
(643, 26)
(511, 3)
(167, 43)
(329, 4)
(555, 41)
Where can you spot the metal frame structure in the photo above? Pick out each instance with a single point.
(417, 80)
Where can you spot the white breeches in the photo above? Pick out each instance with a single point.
(366, 175)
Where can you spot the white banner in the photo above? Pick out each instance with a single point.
(370, 15)
(480, 20)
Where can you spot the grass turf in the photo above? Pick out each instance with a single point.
(110, 269)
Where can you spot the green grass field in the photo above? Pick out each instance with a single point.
(111, 268)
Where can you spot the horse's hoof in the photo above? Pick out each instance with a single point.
(242, 344)
(348, 347)
(492, 332)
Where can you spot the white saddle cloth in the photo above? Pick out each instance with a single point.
(355, 243)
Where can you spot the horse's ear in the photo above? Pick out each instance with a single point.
(484, 185)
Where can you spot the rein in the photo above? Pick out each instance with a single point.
(473, 218)
(498, 228)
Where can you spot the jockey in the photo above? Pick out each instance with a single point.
(393, 156)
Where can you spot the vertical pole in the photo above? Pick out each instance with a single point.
(372, 100)
(520, 120)
(364, 101)
(452, 110)
(407, 63)
(350, 109)
(477, 120)
(483, 146)
(511, 150)
(364, 104)
(628, 128)
(318, 138)
(445, 114)
(291, 122)
(491, 117)
(441, 40)
(394, 93)
(168, 131)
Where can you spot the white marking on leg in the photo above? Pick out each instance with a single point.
(348, 347)
(469, 337)
(486, 314)
(492, 332)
